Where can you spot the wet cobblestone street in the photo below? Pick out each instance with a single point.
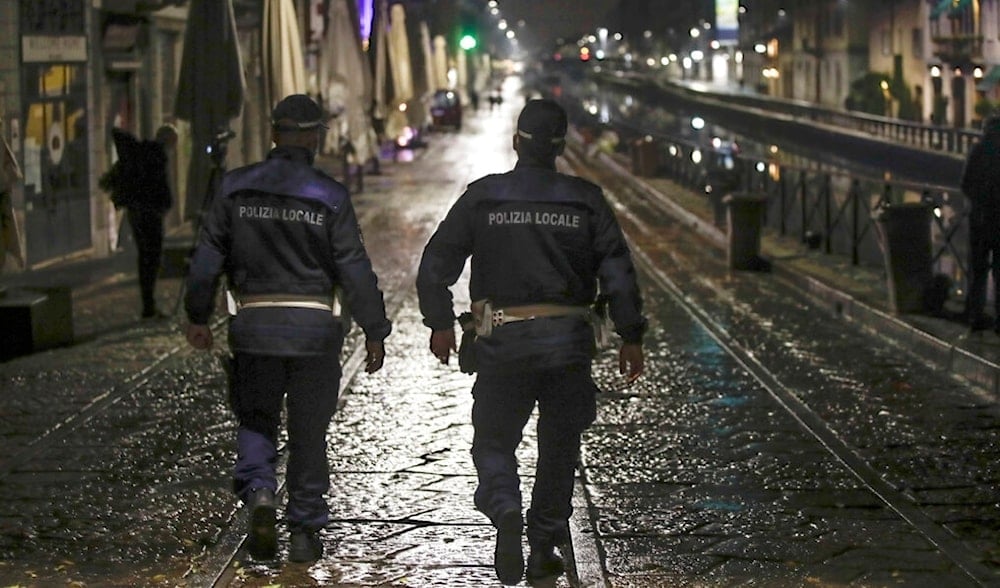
(768, 444)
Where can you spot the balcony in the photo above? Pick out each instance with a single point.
(958, 49)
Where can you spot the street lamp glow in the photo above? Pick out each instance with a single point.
(502, 25)
(760, 48)
(510, 34)
(697, 123)
(935, 71)
(492, 3)
(697, 55)
(695, 33)
(664, 61)
(467, 42)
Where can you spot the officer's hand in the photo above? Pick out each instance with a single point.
(442, 344)
(630, 361)
(375, 356)
(199, 336)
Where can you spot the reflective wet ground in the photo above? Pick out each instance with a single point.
(769, 444)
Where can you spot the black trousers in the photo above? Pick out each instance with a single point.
(984, 255)
(307, 388)
(147, 231)
(566, 399)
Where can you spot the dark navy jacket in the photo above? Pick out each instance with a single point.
(981, 178)
(283, 227)
(535, 236)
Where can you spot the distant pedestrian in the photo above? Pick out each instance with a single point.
(139, 183)
(541, 243)
(496, 97)
(286, 236)
(10, 174)
(981, 184)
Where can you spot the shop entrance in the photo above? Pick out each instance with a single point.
(56, 163)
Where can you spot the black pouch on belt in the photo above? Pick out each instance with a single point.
(467, 348)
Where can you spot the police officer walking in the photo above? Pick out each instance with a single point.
(981, 184)
(285, 235)
(541, 242)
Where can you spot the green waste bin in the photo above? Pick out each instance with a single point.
(744, 220)
(645, 157)
(905, 233)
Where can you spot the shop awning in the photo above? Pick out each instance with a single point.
(952, 7)
(991, 79)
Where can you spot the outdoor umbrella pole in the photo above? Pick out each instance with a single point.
(217, 153)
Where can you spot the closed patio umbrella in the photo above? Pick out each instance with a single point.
(380, 105)
(345, 80)
(281, 48)
(441, 63)
(210, 89)
(399, 55)
(425, 45)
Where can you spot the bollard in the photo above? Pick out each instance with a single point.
(745, 215)
(645, 157)
(905, 231)
(35, 319)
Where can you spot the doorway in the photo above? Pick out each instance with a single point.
(56, 161)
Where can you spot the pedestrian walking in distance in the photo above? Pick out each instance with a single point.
(138, 182)
(286, 236)
(541, 243)
(981, 184)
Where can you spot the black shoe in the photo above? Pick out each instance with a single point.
(305, 546)
(263, 541)
(508, 559)
(154, 314)
(542, 564)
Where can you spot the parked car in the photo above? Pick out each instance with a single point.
(446, 110)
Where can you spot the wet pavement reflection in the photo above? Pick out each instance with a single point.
(116, 452)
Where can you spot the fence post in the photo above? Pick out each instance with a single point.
(827, 215)
(802, 206)
(855, 218)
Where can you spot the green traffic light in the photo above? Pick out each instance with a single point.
(467, 42)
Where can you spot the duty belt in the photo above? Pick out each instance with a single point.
(488, 317)
(325, 303)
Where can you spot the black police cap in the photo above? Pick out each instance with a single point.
(297, 112)
(542, 120)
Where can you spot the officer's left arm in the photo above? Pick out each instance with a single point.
(617, 276)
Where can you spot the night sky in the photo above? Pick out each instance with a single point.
(546, 20)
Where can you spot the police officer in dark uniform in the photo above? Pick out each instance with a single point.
(285, 235)
(981, 184)
(541, 242)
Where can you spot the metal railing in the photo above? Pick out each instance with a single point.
(829, 211)
(920, 135)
